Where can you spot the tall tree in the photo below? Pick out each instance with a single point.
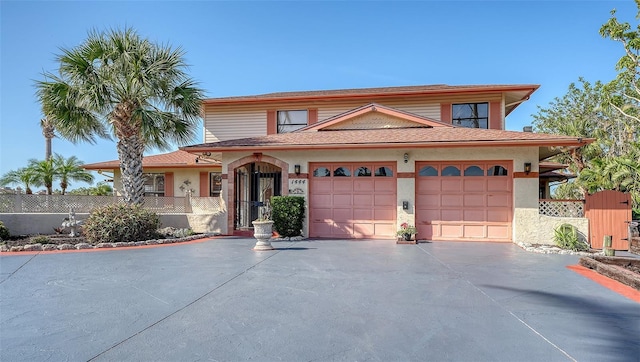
(23, 176)
(70, 169)
(48, 131)
(117, 84)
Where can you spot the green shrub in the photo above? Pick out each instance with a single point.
(40, 239)
(120, 222)
(566, 237)
(4, 232)
(287, 213)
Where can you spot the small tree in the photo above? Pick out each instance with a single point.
(23, 176)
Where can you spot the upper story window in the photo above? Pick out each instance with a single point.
(471, 115)
(289, 121)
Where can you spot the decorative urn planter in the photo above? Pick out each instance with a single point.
(262, 231)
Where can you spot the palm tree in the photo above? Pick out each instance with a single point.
(117, 84)
(48, 131)
(70, 169)
(23, 176)
(44, 172)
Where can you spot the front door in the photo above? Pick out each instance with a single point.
(256, 183)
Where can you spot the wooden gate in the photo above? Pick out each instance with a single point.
(609, 213)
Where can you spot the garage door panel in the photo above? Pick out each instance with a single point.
(362, 200)
(322, 185)
(499, 183)
(344, 184)
(474, 184)
(497, 215)
(385, 200)
(498, 200)
(383, 214)
(342, 229)
(451, 184)
(499, 232)
(474, 200)
(384, 229)
(363, 214)
(342, 200)
(451, 215)
(427, 184)
(341, 215)
(474, 215)
(426, 201)
(321, 200)
(363, 184)
(451, 231)
(363, 229)
(451, 200)
(385, 184)
(323, 228)
(474, 231)
(323, 214)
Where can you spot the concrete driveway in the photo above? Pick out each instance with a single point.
(310, 301)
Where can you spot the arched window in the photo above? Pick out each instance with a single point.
(341, 172)
(321, 172)
(451, 171)
(497, 170)
(473, 171)
(384, 172)
(428, 171)
(363, 171)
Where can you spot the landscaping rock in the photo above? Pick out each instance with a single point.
(84, 246)
(104, 245)
(66, 247)
(32, 247)
(17, 248)
(49, 247)
(120, 244)
(151, 242)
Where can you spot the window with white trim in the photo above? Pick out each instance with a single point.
(153, 184)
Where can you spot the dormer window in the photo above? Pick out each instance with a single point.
(471, 115)
(289, 121)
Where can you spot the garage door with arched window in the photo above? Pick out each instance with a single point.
(352, 200)
(464, 201)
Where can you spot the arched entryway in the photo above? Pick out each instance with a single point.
(253, 181)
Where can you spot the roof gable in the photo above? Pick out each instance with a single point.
(374, 116)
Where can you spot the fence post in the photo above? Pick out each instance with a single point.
(606, 246)
(187, 203)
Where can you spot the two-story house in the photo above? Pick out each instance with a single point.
(367, 160)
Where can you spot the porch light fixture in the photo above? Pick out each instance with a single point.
(527, 167)
(406, 157)
(296, 169)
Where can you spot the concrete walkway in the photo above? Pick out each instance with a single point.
(329, 300)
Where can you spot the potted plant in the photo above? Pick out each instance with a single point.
(263, 228)
(407, 231)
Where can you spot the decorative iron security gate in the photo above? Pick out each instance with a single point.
(255, 184)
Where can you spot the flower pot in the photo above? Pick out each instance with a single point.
(407, 237)
(262, 231)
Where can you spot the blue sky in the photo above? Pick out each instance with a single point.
(242, 48)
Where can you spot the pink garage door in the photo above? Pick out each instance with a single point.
(464, 201)
(352, 200)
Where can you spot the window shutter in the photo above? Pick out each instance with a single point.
(204, 184)
(495, 115)
(272, 122)
(312, 116)
(168, 184)
(445, 113)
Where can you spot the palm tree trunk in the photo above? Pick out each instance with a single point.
(130, 151)
(48, 131)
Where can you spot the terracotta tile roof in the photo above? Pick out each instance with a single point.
(175, 159)
(392, 137)
(380, 91)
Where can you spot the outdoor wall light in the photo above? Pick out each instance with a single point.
(406, 157)
(296, 169)
(527, 167)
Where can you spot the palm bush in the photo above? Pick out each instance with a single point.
(120, 222)
(566, 237)
(4, 232)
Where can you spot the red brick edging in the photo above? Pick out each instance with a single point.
(609, 283)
